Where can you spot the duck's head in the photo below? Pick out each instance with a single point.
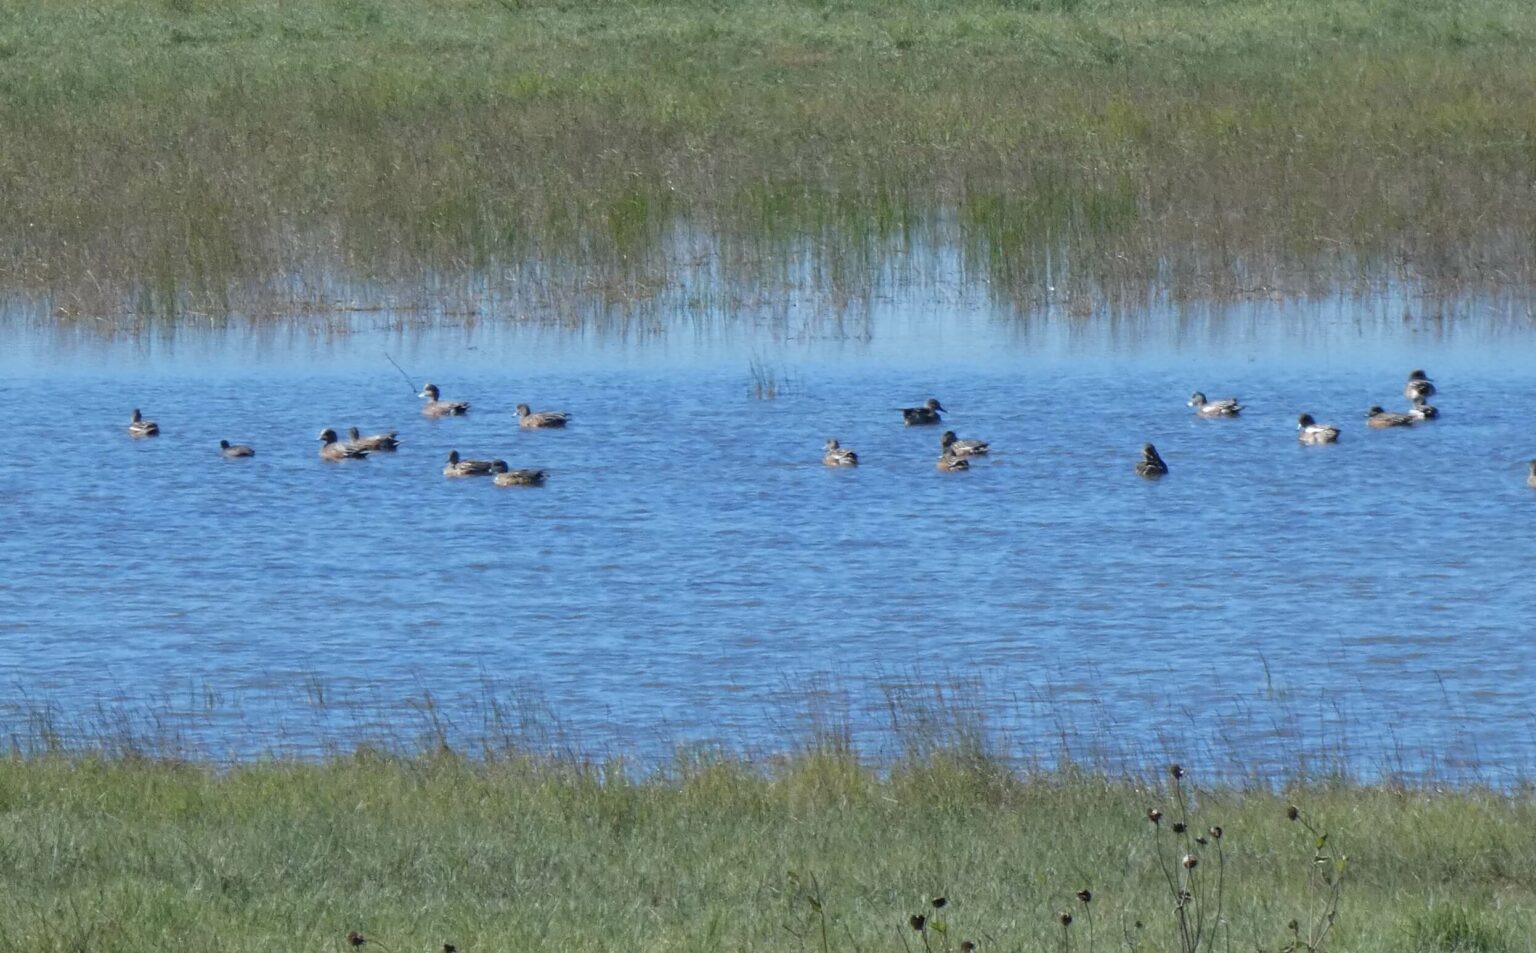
(832, 443)
(946, 439)
(1305, 421)
(1196, 399)
(327, 435)
(429, 392)
(1417, 374)
(353, 433)
(524, 410)
(1149, 452)
(498, 466)
(137, 416)
(1533, 468)
(1374, 411)
(453, 456)
(223, 444)
(933, 404)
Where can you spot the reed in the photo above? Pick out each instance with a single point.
(183, 155)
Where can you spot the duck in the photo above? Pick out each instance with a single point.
(1151, 465)
(457, 467)
(1376, 417)
(233, 450)
(949, 443)
(373, 442)
(951, 463)
(139, 427)
(1423, 410)
(924, 415)
(509, 477)
(1419, 385)
(332, 449)
(541, 420)
(1310, 431)
(1226, 407)
(839, 456)
(441, 408)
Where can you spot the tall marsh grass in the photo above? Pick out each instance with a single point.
(185, 154)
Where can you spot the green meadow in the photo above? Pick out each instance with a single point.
(813, 852)
(215, 156)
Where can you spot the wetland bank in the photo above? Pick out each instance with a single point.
(246, 704)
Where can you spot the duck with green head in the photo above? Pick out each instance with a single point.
(381, 442)
(459, 467)
(333, 449)
(1379, 419)
(1309, 431)
(1419, 385)
(506, 476)
(435, 407)
(949, 443)
(543, 420)
(1225, 407)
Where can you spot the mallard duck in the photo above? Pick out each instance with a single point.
(1226, 407)
(332, 449)
(839, 456)
(233, 450)
(1530, 476)
(509, 477)
(441, 408)
(1310, 431)
(963, 448)
(139, 427)
(1376, 417)
(951, 463)
(920, 416)
(373, 442)
(457, 467)
(1418, 385)
(1422, 410)
(1151, 465)
(542, 419)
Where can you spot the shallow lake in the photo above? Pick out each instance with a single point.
(692, 573)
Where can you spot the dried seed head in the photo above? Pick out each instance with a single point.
(356, 939)
(450, 948)
(1179, 827)
(939, 902)
(1065, 918)
(1138, 925)
(1154, 815)
(1201, 841)
(967, 946)
(917, 921)
(1177, 771)
(1293, 813)
(1216, 832)
(1085, 895)
(1293, 926)
(1190, 861)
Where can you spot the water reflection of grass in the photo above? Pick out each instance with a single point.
(190, 150)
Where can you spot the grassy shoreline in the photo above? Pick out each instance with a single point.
(190, 154)
(136, 854)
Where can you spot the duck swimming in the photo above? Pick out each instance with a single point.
(332, 449)
(949, 443)
(839, 456)
(1423, 411)
(385, 442)
(441, 408)
(233, 450)
(1151, 465)
(951, 463)
(921, 416)
(458, 467)
(139, 427)
(509, 477)
(1310, 431)
(1378, 418)
(1418, 385)
(1226, 407)
(541, 420)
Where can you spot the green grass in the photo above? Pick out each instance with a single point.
(510, 853)
(192, 153)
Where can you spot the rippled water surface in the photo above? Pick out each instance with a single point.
(692, 572)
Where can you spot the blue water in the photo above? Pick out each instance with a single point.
(692, 573)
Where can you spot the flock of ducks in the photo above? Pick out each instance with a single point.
(357, 446)
(954, 453)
